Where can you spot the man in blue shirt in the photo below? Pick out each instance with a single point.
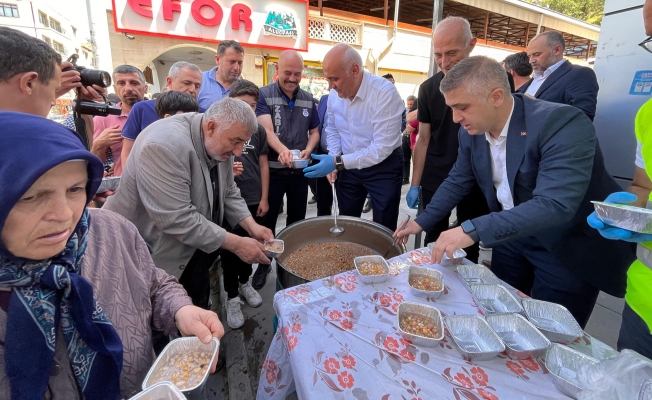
(183, 77)
(216, 83)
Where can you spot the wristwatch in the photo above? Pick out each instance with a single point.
(469, 229)
(339, 164)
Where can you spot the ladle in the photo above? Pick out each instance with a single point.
(336, 230)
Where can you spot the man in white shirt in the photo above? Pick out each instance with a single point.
(364, 118)
(538, 165)
(556, 79)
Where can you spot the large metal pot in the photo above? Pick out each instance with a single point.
(314, 230)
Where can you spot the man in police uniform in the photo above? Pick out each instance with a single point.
(289, 116)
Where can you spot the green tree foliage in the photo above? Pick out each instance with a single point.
(585, 10)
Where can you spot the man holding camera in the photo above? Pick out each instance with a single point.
(129, 84)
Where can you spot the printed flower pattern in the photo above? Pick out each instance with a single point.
(348, 361)
(479, 376)
(331, 365)
(346, 380)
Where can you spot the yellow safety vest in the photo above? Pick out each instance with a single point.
(639, 275)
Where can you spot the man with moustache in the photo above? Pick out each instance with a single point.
(216, 83)
(289, 115)
(129, 84)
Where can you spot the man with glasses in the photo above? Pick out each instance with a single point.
(556, 79)
(637, 314)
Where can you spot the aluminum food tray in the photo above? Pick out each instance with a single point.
(473, 337)
(437, 275)
(299, 163)
(458, 257)
(160, 391)
(371, 279)
(563, 364)
(272, 254)
(180, 346)
(623, 216)
(476, 274)
(492, 299)
(553, 320)
(427, 311)
(521, 338)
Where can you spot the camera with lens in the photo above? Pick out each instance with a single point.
(90, 77)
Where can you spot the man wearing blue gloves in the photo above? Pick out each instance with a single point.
(364, 144)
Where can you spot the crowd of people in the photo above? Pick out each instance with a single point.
(93, 284)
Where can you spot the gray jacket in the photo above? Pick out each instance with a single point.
(166, 191)
(134, 294)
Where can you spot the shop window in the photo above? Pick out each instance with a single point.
(8, 10)
(43, 18)
(47, 40)
(56, 25)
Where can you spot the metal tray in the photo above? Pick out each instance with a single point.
(473, 337)
(492, 299)
(160, 391)
(623, 216)
(553, 320)
(109, 183)
(437, 275)
(371, 279)
(563, 364)
(521, 338)
(427, 311)
(299, 163)
(272, 254)
(646, 390)
(182, 346)
(458, 257)
(476, 274)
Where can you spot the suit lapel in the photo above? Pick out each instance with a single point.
(558, 73)
(516, 139)
(525, 87)
(197, 141)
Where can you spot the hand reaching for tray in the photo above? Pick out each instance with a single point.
(611, 232)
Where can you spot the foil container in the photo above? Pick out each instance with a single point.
(430, 272)
(297, 162)
(476, 274)
(177, 347)
(428, 311)
(623, 216)
(160, 391)
(273, 254)
(492, 299)
(458, 257)
(521, 338)
(645, 393)
(563, 364)
(109, 183)
(371, 279)
(553, 320)
(473, 337)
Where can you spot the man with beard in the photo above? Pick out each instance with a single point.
(129, 84)
(289, 115)
(216, 83)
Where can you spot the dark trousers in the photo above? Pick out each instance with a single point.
(196, 278)
(312, 184)
(531, 268)
(407, 155)
(634, 333)
(324, 197)
(382, 181)
(472, 206)
(234, 270)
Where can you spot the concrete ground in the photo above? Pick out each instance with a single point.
(247, 347)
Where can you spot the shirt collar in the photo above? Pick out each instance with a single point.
(294, 95)
(503, 133)
(362, 91)
(123, 114)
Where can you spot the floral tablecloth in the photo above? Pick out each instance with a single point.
(337, 338)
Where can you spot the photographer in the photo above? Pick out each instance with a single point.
(31, 79)
(129, 84)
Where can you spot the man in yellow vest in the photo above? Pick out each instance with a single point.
(636, 328)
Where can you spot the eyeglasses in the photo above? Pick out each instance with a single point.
(647, 44)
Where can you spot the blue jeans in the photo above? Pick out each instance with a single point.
(634, 333)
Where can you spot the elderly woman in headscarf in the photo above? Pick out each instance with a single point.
(79, 293)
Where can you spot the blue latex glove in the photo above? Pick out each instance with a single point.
(325, 166)
(611, 232)
(412, 197)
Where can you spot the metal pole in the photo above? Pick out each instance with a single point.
(92, 33)
(437, 15)
(396, 16)
(540, 24)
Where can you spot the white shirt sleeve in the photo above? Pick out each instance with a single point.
(330, 130)
(639, 155)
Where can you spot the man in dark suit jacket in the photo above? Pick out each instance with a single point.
(538, 165)
(556, 79)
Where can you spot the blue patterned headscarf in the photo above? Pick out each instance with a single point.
(50, 296)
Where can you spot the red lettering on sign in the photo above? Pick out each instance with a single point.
(138, 7)
(197, 5)
(241, 13)
(170, 6)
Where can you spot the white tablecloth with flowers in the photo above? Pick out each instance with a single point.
(337, 338)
